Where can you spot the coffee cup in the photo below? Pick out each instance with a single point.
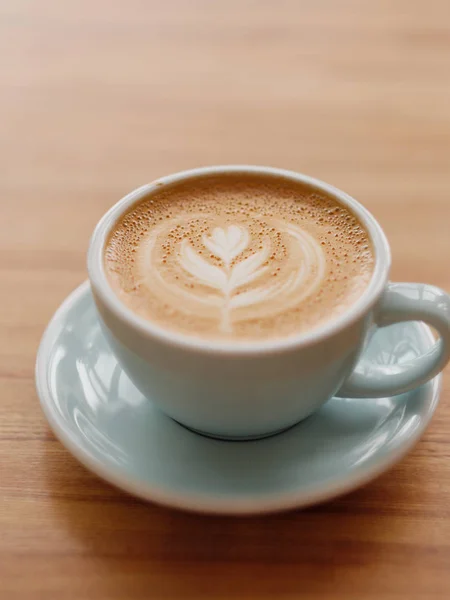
(254, 376)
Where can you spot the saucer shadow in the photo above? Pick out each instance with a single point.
(143, 550)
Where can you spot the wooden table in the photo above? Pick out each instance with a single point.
(97, 97)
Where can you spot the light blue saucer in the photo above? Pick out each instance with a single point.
(112, 429)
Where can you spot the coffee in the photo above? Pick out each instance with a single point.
(239, 257)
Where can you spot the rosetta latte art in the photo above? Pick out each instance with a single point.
(227, 280)
(240, 257)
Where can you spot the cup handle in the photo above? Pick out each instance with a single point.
(404, 302)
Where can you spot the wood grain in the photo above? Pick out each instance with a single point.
(99, 97)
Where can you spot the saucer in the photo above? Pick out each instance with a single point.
(102, 419)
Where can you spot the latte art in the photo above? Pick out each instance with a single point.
(237, 281)
(242, 257)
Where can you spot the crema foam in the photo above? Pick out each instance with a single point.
(245, 257)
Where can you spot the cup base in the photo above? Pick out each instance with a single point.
(237, 438)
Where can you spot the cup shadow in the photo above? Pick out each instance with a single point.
(196, 556)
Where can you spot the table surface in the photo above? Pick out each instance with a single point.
(98, 97)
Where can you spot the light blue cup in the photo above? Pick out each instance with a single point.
(251, 390)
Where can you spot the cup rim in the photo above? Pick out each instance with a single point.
(106, 295)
